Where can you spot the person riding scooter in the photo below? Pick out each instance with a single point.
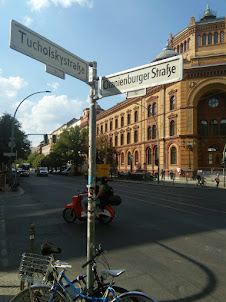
(101, 195)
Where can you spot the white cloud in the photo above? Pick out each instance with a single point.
(9, 88)
(54, 86)
(40, 4)
(50, 113)
(27, 21)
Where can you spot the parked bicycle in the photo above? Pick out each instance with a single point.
(36, 269)
(58, 292)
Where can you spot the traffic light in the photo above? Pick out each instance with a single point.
(156, 162)
(46, 141)
(54, 139)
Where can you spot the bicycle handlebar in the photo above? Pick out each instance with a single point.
(99, 251)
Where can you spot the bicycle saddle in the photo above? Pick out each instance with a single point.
(49, 248)
(113, 273)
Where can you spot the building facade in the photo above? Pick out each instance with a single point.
(183, 122)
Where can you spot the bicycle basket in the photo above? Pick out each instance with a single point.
(34, 268)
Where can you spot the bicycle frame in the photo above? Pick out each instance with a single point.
(69, 283)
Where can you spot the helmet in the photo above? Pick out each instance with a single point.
(104, 179)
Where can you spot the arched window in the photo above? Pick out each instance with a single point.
(149, 132)
(149, 156)
(122, 159)
(178, 49)
(213, 127)
(128, 138)
(110, 126)
(172, 128)
(101, 129)
(181, 48)
(116, 123)
(154, 132)
(122, 139)
(135, 116)
(135, 136)
(203, 128)
(149, 110)
(199, 41)
(156, 153)
(106, 127)
(185, 45)
(116, 140)
(136, 158)
(173, 156)
(154, 109)
(128, 159)
(222, 37)
(189, 43)
(210, 39)
(223, 127)
(122, 121)
(215, 38)
(128, 119)
(204, 39)
(172, 102)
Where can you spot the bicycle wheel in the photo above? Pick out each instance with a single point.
(99, 292)
(25, 284)
(38, 294)
(134, 297)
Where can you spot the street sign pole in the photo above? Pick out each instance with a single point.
(92, 174)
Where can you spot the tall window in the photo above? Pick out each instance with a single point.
(173, 156)
(128, 159)
(213, 127)
(185, 45)
(215, 38)
(181, 48)
(122, 139)
(101, 129)
(210, 39)
(128, 119)
(136, 158)
(203, 128)
(116, 140)
(97, 130)
(122, 121)
(154, 109)
(223, 127)
(110, 126)
(172, 128)
(122, 159)
(199, 41)
(135, 116)
(116, 123)
(106, 127)
(222, 37)
(154, 132)
(149, 132)
(189, 43)
(128, 138)
(204, 39)
(135, 136)
(172, 102)
(149, 110)
(149, 156)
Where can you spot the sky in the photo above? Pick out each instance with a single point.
(118, 35)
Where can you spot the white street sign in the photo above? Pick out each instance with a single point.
(136, 93)
(153, 74)
(9, 154)
(56, 72)
(37, 47)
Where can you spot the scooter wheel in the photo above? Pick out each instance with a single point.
(69, 215)
(105, 219)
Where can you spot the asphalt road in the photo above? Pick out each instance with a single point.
(169, 239)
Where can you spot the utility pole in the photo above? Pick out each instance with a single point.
(92, 174)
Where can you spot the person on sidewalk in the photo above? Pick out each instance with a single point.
(217, 179)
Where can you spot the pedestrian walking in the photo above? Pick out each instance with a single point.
(171, 174)
(162, 174)
(217, 179)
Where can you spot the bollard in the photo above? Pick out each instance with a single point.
(32, 238)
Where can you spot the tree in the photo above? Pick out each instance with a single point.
(72, 145)
(22, 143)
(105, 152)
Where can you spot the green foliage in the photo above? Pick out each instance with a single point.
(105, 152)
(22, 143)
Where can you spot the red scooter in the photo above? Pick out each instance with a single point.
(74, 210)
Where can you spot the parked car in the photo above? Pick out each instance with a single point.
(24, 173)
(42, 171)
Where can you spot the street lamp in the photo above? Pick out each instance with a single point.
(157, 132)
(12, 144)
(190, 146)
